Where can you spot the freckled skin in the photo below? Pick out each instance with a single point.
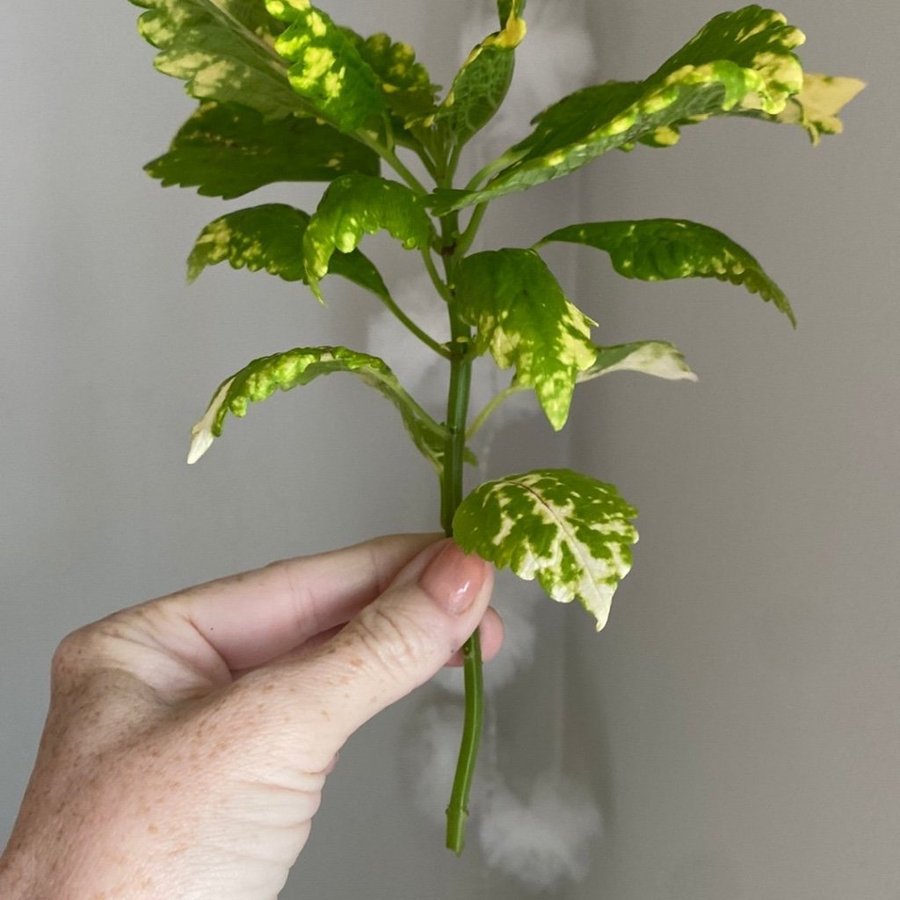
(186, 732)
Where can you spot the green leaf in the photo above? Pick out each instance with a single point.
(326, 69)
(658, 358)
(664, 249)
(284, 371)
(523, 317)
(817, 105)
(569, 530)
(223, 50)
(356, 205)
(226, 150)
(405, 83)
(270, 238)
(739, 61)
(481, 85)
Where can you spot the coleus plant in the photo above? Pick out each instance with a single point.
(288, 95)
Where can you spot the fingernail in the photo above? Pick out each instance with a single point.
(453, 579)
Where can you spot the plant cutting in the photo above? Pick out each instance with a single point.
(286, 94)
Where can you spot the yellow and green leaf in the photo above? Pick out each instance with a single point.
(356, 205)
(740, 62)
(326, 69)
(223, 50)
(665, 249)
(816, 107)
(507, 8)
(482, 82)
(404, 82)
(226, 150)
(270, 238)
(524, 319)
(285, 371)
(568, 530)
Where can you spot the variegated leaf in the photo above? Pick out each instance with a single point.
(481, 85)
(356, 205)
(572, 532)
(658, 358)
(223, 50)
(523, 317)
(326, 69)
(507, 8)
(270, 238)
(664, 249)
(816, 107)
(405, 82)
(284, 371)
(227, 150)
(739, 61)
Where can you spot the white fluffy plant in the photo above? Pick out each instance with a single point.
(288, 95)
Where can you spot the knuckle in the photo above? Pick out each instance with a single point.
(72, 657)
(393, 640)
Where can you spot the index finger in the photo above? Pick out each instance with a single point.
(252, 618)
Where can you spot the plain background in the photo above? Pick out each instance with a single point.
(738, 717)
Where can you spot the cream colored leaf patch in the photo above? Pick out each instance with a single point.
(818, 104)
(285, 371)
(568, 530)
(526, 321)
(658, 358)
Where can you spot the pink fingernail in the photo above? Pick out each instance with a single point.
(453, 579)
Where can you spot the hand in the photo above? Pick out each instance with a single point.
(189, 738)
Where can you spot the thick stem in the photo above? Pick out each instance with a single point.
(451, 497)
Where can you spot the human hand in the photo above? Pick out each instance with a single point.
(189, 738)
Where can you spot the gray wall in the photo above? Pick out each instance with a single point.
(738, 716)
(741, 706)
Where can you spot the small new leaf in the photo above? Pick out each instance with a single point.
(482, 83)
(665, 249)
(572, 532)
(816, 107)
(326, 69)
(658, 358)
(739, 61)
(226, 150)
(356, 205)
(223, 50)
(523, 317)
(270, 238)
(284, 371)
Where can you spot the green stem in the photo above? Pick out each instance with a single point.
(457, 810)
(466, 238)
(439, 285)
(451, 497)
(421, 334)
(460, 348)
(491, 407)
(393, 161)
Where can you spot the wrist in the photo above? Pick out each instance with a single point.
(18, 875)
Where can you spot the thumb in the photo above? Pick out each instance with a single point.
(396, 643)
